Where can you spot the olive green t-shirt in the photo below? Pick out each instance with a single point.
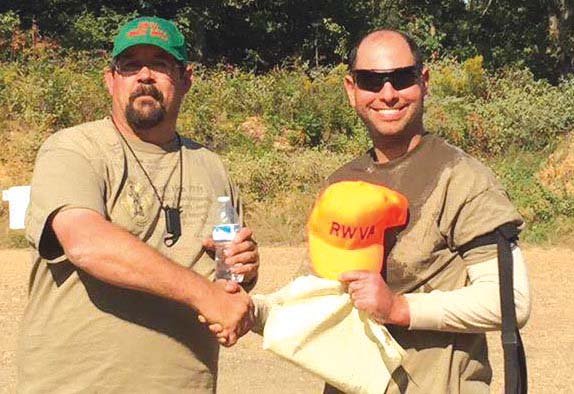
(453, 199)
(80, 334)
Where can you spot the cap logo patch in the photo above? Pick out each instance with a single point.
(148, 28)
(364, 232)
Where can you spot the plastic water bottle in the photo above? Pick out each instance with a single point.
(223, 234)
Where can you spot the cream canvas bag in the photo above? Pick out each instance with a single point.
(313, 323)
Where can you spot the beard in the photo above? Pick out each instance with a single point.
(148, 115)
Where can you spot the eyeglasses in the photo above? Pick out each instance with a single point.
(374, 80)
(132, 67)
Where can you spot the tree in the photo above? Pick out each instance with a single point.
(560, 29)
(260, 34)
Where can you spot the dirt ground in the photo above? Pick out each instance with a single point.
(549, 337)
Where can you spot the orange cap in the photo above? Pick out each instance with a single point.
(347, 225)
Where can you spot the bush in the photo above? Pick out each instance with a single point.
(10, 34)
(549, 217)
(511, 109)
(451, 78)
(305, 111)
(522, 112)
(88, 30)
(283, 132)
(51, 95)
(279, 188)
(274, 174)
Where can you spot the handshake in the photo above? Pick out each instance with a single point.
(229, 311)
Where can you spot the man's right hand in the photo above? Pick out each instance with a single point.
(230, 312)
(90, 243)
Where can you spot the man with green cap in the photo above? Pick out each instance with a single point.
(119, 221)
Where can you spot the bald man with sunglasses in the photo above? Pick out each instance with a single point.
(437, 296)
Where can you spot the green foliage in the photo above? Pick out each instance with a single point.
(548, 216)
(14, 42)
(273, 174)
(50, 95)
(449, 117)
(451, 78)
(40, 96)
(423, 28)
(281, 133)
(279, 188)
(90, 30)
(520, 111)
(293, 108)
(488, 113)
(259, 35)
(9, 22)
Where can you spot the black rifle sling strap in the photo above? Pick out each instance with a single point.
(515, 375)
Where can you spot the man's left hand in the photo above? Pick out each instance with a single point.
(371, 294)
(242, 255)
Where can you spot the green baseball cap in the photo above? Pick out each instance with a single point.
(149, 30)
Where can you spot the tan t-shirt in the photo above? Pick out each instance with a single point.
(453, 199)
(80, 334)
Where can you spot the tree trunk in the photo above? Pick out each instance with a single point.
(560, 29)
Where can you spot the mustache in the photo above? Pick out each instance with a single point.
(146, 90)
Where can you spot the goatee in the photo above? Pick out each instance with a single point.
(150, 116)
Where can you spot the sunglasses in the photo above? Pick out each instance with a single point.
(132, 67)
(374, 80)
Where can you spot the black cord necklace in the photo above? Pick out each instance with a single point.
(172, 215)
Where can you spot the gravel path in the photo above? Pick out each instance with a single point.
(549, 338)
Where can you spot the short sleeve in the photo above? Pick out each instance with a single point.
(63, 178)
(484, 213)
(482, 205)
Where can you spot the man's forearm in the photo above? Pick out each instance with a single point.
(474, 308)
(113, 255)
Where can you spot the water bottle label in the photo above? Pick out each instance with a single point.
(225, 232)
